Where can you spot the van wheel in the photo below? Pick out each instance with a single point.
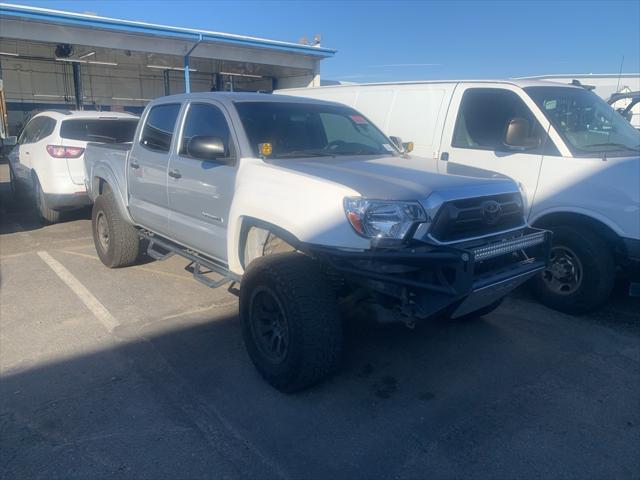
(581, 273)
(290, 321)
(47, 215)
(116, 240)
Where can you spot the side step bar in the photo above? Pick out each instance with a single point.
(161, 249)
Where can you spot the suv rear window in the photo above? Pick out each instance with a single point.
(103, 130)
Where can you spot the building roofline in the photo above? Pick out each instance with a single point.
(129, 26)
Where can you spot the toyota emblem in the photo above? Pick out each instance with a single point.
(491, 211)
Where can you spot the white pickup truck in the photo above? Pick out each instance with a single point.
(307, 206)
(576, 161)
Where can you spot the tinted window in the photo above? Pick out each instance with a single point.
(158, 129)
(30, 132)
(204, 120)
(46, 128)
(311, 130)
(484, 116)
(99, 130)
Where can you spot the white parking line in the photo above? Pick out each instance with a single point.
(91, 302)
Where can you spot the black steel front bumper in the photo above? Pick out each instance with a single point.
(424, 280)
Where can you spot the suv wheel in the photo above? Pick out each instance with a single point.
(290, 321)
(47, 215)
(581, 273)
(117, 242)
(13, 183)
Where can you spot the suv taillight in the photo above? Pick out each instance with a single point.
(58, 151)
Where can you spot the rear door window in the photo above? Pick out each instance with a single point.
(30, 132)
(160, 124)
(205, 120)
(99, 130)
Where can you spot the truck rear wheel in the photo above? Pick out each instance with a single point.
(581, 273)
(290, 321)
(117, 242)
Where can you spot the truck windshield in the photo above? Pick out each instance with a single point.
(297, 130)
(103, 130)
(587, 124)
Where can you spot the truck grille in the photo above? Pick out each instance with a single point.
(475, 217)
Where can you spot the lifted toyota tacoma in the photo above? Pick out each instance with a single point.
(307, 207)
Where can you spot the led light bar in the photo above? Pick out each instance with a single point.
(507, 246)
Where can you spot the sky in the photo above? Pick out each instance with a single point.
(412, 40)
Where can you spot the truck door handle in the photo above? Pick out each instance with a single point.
(175, 173)
(134, 164)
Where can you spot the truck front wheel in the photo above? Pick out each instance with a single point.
(581, 273)
(117, 242)
(290, 321)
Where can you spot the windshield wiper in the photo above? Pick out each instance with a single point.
(303, 154)
(612, 144)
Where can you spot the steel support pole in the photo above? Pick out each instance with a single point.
(187, 80)
(77, 85)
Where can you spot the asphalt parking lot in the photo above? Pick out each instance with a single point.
(141, 373)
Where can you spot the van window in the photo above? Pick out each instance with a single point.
(484, 116)
(159, 126)
(115, 130)
(204, 120)
(587, 124)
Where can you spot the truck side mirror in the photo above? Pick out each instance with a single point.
(404, 147)
(517, 135)
(10, 141)
(206, 148)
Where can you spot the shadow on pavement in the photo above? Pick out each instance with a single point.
(498, 397)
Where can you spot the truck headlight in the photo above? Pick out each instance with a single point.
(382, 218)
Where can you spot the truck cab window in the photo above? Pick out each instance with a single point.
(204, 120)
(159, 126)
(485, 115)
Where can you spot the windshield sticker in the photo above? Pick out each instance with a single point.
(359, 119)
(550, 104)
(387, 147)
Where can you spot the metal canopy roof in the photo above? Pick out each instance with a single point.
(10, 11)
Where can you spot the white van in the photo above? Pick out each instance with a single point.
(576, 160)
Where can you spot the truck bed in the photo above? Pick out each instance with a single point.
(109, 161)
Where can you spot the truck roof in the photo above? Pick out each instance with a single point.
(230, 97)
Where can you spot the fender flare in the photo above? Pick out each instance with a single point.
(251, 222)
(102, 176)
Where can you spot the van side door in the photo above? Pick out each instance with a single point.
(491, 131)
(201, 186)
(147, 168)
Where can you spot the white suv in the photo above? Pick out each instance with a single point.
(48, 159)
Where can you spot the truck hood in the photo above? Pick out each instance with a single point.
(394, 178)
